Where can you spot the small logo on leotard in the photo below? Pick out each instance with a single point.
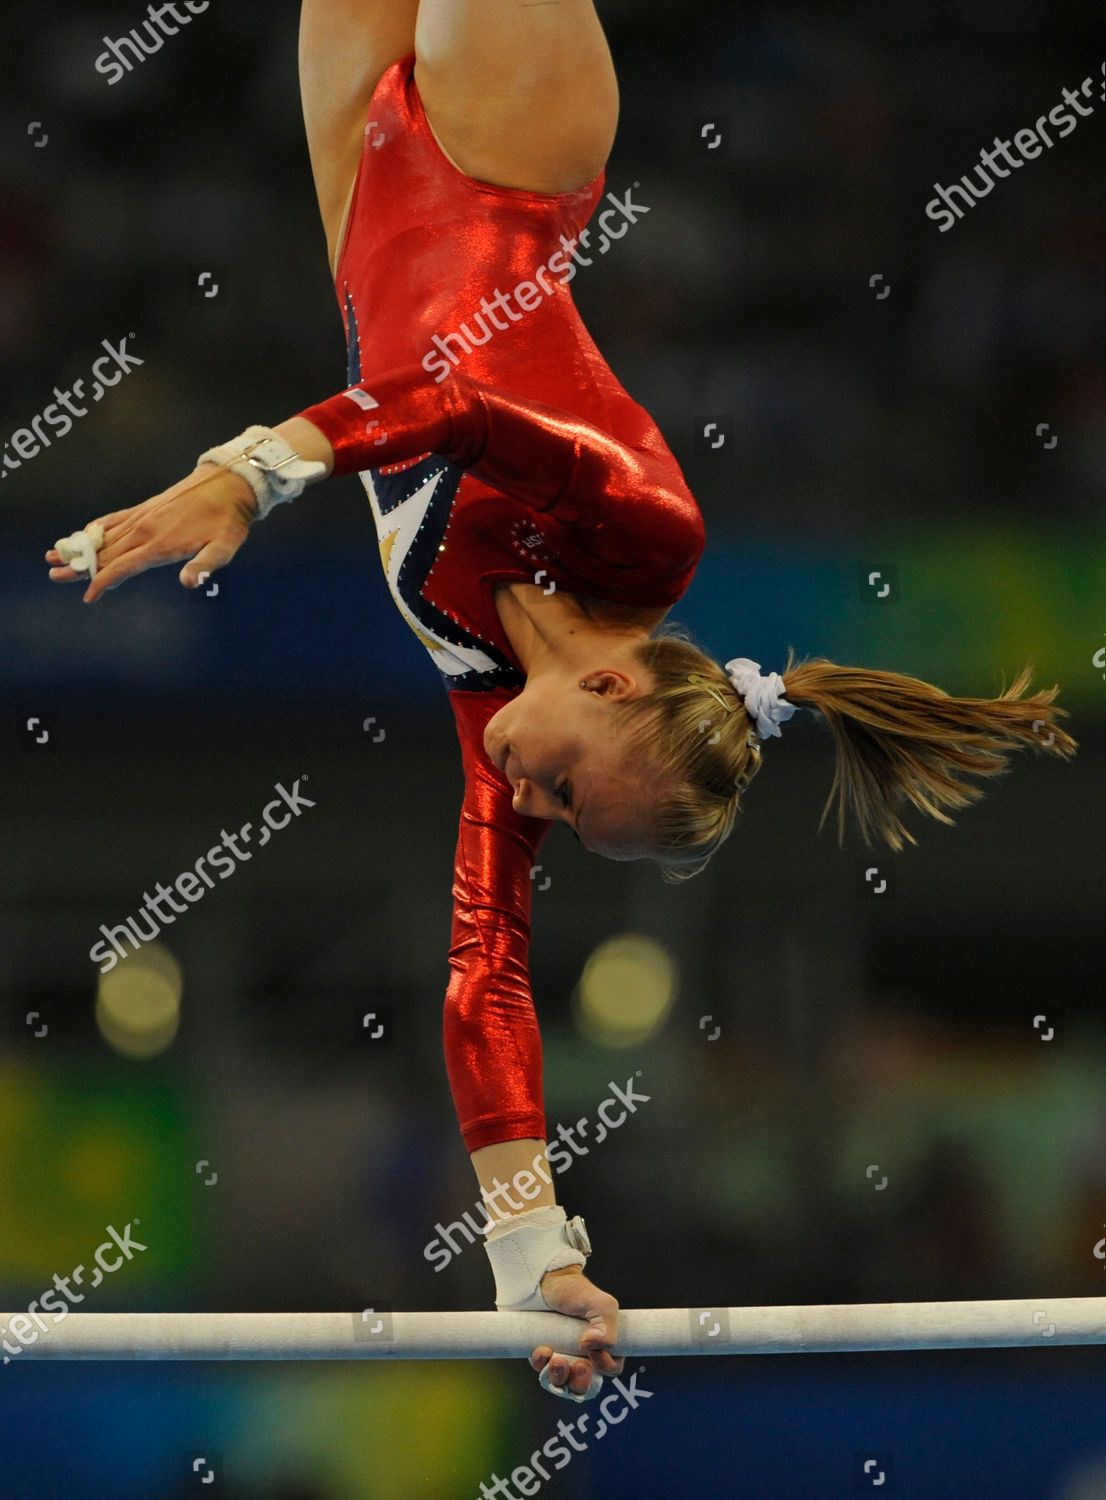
(529, 541)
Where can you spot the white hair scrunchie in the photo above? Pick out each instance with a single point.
(763, 695)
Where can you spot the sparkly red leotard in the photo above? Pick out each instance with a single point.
(495, 445)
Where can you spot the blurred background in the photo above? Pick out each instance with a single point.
(870, 1077)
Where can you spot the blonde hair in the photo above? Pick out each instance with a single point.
(897, 740)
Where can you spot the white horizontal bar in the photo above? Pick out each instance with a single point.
(498, 1335)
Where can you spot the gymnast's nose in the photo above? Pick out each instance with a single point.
(525, 798)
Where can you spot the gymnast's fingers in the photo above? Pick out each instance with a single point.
(136, 560)
(126, 539)
(61, 572)
(603, 1360)
(208, 560)
(597, 1341)
(568, 1370)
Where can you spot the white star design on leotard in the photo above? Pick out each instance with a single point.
(397, 530)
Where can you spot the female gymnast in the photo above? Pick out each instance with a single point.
(535, 530)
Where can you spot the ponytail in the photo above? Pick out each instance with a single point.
(899, 739)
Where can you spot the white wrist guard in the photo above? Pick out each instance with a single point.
(270, 466)
(526, 1246)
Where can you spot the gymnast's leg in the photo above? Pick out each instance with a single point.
(519, 94)
(345, 47)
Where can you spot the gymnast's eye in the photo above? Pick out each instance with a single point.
(564, 791)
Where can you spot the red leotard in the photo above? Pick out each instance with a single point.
(519, 457)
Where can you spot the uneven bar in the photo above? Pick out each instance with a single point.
(840, 1329)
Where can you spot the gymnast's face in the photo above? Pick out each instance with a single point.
(565, 752)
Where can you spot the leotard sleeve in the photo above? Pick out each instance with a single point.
(490, 1028)
(630, 503)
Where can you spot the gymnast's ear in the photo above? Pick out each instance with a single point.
(610, 682)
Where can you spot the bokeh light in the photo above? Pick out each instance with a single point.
(138, 1003)
(626, 991)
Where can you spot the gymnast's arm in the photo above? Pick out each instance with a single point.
(492, 1040)
(490, 1028)
(547, 458)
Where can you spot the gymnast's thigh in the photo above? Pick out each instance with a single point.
(520, 95)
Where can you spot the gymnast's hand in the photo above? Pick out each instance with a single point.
(204, 518)
(570, 1292)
